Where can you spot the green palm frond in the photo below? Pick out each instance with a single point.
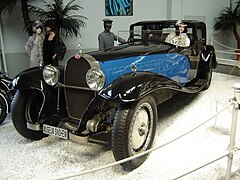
(228, 19)
(67, 21)
(7, 6)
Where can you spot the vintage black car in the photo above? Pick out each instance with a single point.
(114, 91)
(6, 95)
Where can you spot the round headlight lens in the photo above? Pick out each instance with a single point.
(51, 75)
(95, 79)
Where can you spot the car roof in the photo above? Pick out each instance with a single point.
(193, 22)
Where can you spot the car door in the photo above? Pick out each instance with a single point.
(195, 36)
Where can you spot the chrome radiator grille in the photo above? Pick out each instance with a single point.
(77, 99)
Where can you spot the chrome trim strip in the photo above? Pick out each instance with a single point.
(92, 61)
(44, 99)
(74, 87)
(78, 139)
(5, 83)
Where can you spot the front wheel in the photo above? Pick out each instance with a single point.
(25, 108)
(133, 131)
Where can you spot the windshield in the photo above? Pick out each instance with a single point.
(154, 32)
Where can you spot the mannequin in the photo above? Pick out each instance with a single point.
(106, 38)
(179, 37)
(54, 48)
(34, 45)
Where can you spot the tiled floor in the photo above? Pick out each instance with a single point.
(228, 69)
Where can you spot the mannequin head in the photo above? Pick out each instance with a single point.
(50, 25)
(37, 27)
(181, 27)
(107, 23)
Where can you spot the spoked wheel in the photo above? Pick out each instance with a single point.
(26, 106)
(3, 109)
(133, 132)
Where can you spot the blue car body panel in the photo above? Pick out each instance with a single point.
(172, 65)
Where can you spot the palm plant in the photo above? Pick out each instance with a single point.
(229, 20)
(9, 5)
(66, 21)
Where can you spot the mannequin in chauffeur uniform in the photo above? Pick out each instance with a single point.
(106, 38)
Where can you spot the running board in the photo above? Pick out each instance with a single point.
(197, 85)
(199, 82)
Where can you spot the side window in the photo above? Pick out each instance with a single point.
(199, 33)
(190, 36)
(199, 39)
(137, 31)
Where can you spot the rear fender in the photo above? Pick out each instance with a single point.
(207, 61)
(208, 57)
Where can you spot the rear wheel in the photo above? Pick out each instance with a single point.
(26, 106)
(134, 130)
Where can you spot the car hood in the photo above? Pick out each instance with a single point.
(127, 50)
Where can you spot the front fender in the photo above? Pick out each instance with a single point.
(29, 79)
(126, 89)
(134, 86)
(32, 79)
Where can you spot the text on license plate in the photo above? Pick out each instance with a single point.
(55, 131)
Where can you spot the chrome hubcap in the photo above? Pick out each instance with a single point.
(140, 129)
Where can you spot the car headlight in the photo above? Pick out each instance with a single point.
(95, 79)
(51, 75)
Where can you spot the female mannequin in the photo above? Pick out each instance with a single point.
(34, 45)
(54, 48)
(179, 37)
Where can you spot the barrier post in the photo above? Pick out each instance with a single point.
(233, 129)
(211, 40)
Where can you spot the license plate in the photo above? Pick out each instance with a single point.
(55, 131)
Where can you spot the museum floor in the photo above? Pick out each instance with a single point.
(52, 158)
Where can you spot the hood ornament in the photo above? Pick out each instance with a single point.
(134, 69)
(80, 52)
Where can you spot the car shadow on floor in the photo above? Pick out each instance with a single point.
(177, 103)
(165, 109)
